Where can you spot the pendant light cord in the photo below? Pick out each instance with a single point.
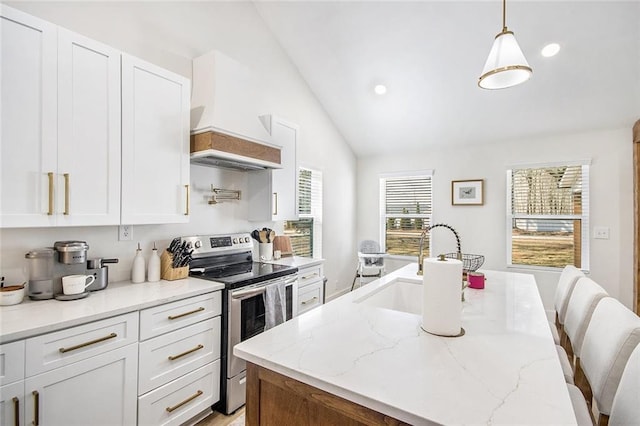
(504, 15)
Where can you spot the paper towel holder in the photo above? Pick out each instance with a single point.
(462, 332)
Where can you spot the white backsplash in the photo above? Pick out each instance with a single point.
(103, 240)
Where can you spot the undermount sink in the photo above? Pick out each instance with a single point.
(401, 294)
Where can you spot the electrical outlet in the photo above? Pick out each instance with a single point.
(125, 233)
(601, 232)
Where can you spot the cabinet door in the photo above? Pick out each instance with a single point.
(101, 389)
(28, 116)
(12, 404)
(273, 194)
(88, 177)
(155, 144)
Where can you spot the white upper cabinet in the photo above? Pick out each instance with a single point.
(273, 194)
(155, 144)
(28, 120)
(88, 178)
(60, 155)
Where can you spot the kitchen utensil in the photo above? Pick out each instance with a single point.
(40, 270)
(11, 295)
(255, 235)
(283, 244)
(98, 268)
(263, 236)
(272, 235)
(75, 284)
(476, 280)
(265, 250)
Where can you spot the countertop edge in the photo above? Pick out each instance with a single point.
(145, 295)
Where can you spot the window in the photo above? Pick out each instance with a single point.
(405, 204)
(306, 232)
(548, 215)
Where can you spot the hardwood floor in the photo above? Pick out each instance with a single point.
(219, 419)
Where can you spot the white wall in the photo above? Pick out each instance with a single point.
(236, 29)
(482, 229)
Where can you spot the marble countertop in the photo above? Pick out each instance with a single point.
(297, 261)
(31, 318)
(504, 370)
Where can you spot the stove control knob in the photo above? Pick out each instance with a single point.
(235, 241)
(246, 239)
(197, 244)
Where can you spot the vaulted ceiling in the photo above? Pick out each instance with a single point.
(430, 55)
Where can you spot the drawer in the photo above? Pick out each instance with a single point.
(167, 357)
(307, 276)
(172, 316)
(310, 297)
(181, 399)
(11, 362)
(54, 350)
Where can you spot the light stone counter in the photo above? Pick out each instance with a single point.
(31, 318)
(297, 261)
(504, 370)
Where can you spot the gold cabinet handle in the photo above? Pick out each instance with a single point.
(275, 203)
(186, 401)
(310, 300)
(36, 408)
(66, 193)
(174, 357)
(92, 342)
(16, 411)
(172, 317)
(306, 277)
(188, 199)
(50, 176)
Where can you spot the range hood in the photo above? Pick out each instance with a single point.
(226, 127)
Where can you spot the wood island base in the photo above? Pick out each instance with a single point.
(274, 399)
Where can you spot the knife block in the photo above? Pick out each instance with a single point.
(168, 272)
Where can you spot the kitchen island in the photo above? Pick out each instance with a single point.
(371, 364)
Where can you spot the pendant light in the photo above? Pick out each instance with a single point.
(506, 65)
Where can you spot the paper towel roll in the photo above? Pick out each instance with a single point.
(441, 300)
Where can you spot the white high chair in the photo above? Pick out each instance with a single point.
(370, 261)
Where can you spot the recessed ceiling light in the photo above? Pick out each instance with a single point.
(380, 89)
(550, 50)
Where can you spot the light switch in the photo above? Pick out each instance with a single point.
(601, 232)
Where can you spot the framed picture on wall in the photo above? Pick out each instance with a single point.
(467, 192)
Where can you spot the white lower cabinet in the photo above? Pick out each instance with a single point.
(12, 404)
(179, 400)
(100, 390)
(179, 374)
(310, 287)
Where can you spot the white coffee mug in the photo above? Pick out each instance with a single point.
(76, 284)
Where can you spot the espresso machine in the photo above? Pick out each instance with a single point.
(47, 266)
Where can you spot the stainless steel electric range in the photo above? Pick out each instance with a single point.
(228, 259)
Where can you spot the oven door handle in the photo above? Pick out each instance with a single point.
(244, 294)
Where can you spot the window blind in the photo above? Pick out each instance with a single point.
(406, 204)
(306, 233)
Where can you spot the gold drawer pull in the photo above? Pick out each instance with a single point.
(174, 357)
(66, 193)
(186, 401)
(36, 408)
(172, 317)
(306, 277)
(50, 176)
(275, 203)
(82, 345)
(310, 300)
(16, 411)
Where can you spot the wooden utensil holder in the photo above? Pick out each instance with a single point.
(168, 272)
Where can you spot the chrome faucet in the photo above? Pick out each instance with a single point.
(422, 237)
